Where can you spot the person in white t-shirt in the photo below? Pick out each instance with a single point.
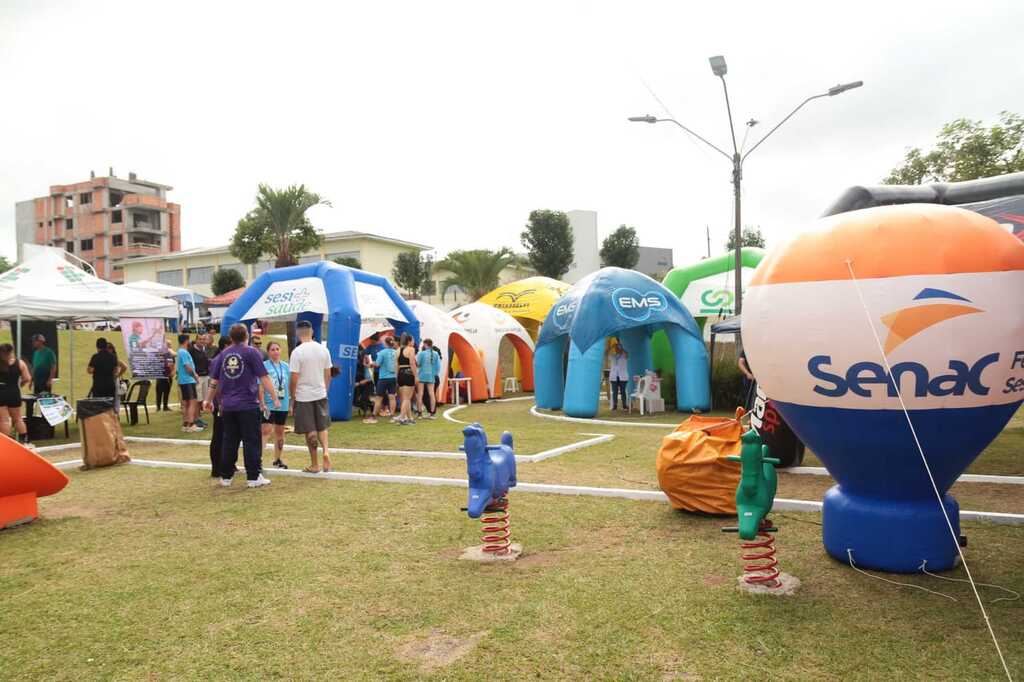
(310, 365)
(619, 374)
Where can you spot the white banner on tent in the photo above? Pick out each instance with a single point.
(288, 298)
(371, 326)
(713, 295)
(374, 302)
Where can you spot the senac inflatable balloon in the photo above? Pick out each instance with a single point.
(925, 298)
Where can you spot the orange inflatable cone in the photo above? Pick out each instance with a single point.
(24, 477)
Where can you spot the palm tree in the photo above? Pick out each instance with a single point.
(475, 272)
(278, 226)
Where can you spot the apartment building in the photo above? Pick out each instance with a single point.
(105, 221)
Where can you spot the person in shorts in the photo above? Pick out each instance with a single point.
(387, 384)
(310, 376)
(201, 361)
(187, 382)
(274, 418)
(426, 373)
(13, 375)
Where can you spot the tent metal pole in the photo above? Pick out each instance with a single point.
(71, 361)
(17, 336)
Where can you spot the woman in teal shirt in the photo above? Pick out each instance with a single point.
(274, 418)
(425, 361)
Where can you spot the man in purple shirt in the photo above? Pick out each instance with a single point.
(235, 375)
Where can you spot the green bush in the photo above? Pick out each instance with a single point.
(726, 383)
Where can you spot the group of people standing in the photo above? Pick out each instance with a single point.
(406, 380)
(251, 396)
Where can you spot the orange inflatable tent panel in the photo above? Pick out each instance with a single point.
(24, 477)
(691, 465)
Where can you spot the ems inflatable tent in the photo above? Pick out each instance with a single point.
(528, 300)
(706, 289)
(320, 292)
(486, 326)
(631, 306)
(449, 338)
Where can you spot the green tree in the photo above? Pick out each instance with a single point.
(548, 242)
(5, 264)
(475, 272)
(620, 249)
(349, 261)
(965, 150)
(278, 226)
(225, 280)
(412, 272)
(751, 237)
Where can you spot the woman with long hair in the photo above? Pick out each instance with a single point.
(406, 378)
(13, 375)
(274, 418)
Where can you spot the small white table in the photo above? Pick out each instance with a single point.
(469, 388)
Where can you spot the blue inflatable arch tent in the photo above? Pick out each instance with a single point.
(631, 306)
(325, 291)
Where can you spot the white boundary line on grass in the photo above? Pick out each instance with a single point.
(546, 488)
(579, 420)
(964, 478)
(595, 439)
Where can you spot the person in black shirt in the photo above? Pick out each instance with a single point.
(103, 368)
(201, 357)
(163, 383)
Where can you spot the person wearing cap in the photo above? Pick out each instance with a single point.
(310, 365)
(44, 365)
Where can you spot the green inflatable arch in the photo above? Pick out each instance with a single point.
(706, 292)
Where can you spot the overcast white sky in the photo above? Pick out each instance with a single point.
(447, 122)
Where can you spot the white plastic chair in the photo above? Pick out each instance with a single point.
(640, 385)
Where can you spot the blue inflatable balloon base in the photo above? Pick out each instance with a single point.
(891, 536)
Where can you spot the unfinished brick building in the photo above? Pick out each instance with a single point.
(104, 221)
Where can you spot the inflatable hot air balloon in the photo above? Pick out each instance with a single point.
(920, 298)
(24, 477)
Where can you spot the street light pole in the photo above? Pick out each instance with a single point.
(719, 68)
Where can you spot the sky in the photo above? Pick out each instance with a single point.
(446, 123)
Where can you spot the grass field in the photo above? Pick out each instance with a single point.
(137, 573)
(142, 573)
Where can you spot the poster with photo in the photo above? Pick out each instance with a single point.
(146, 346)
(55, 410)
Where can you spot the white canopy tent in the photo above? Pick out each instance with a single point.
(48, 287)
(486, 326)
(157, 289)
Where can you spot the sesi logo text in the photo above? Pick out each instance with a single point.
(861, 378)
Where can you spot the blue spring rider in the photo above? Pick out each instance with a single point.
(755, 496)
(492, 471)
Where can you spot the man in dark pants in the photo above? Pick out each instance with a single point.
(201, 359)
(234, 379)
(217, 437)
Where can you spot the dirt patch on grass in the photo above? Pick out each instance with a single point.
(437, 649)
(65, 510)
(537, 560)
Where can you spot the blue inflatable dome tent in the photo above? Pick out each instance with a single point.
(315, 291)
(628, 305)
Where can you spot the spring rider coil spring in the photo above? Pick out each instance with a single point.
(492, 471)
(755, 496)
(496, 530)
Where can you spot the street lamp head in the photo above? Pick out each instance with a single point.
(718, 66)
(643, 119)
(843, 87)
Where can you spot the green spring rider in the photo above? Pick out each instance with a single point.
(755, 496)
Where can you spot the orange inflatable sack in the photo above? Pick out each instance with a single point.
(692, 467)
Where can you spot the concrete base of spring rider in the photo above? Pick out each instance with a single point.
(787, 586)
(515, 550)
